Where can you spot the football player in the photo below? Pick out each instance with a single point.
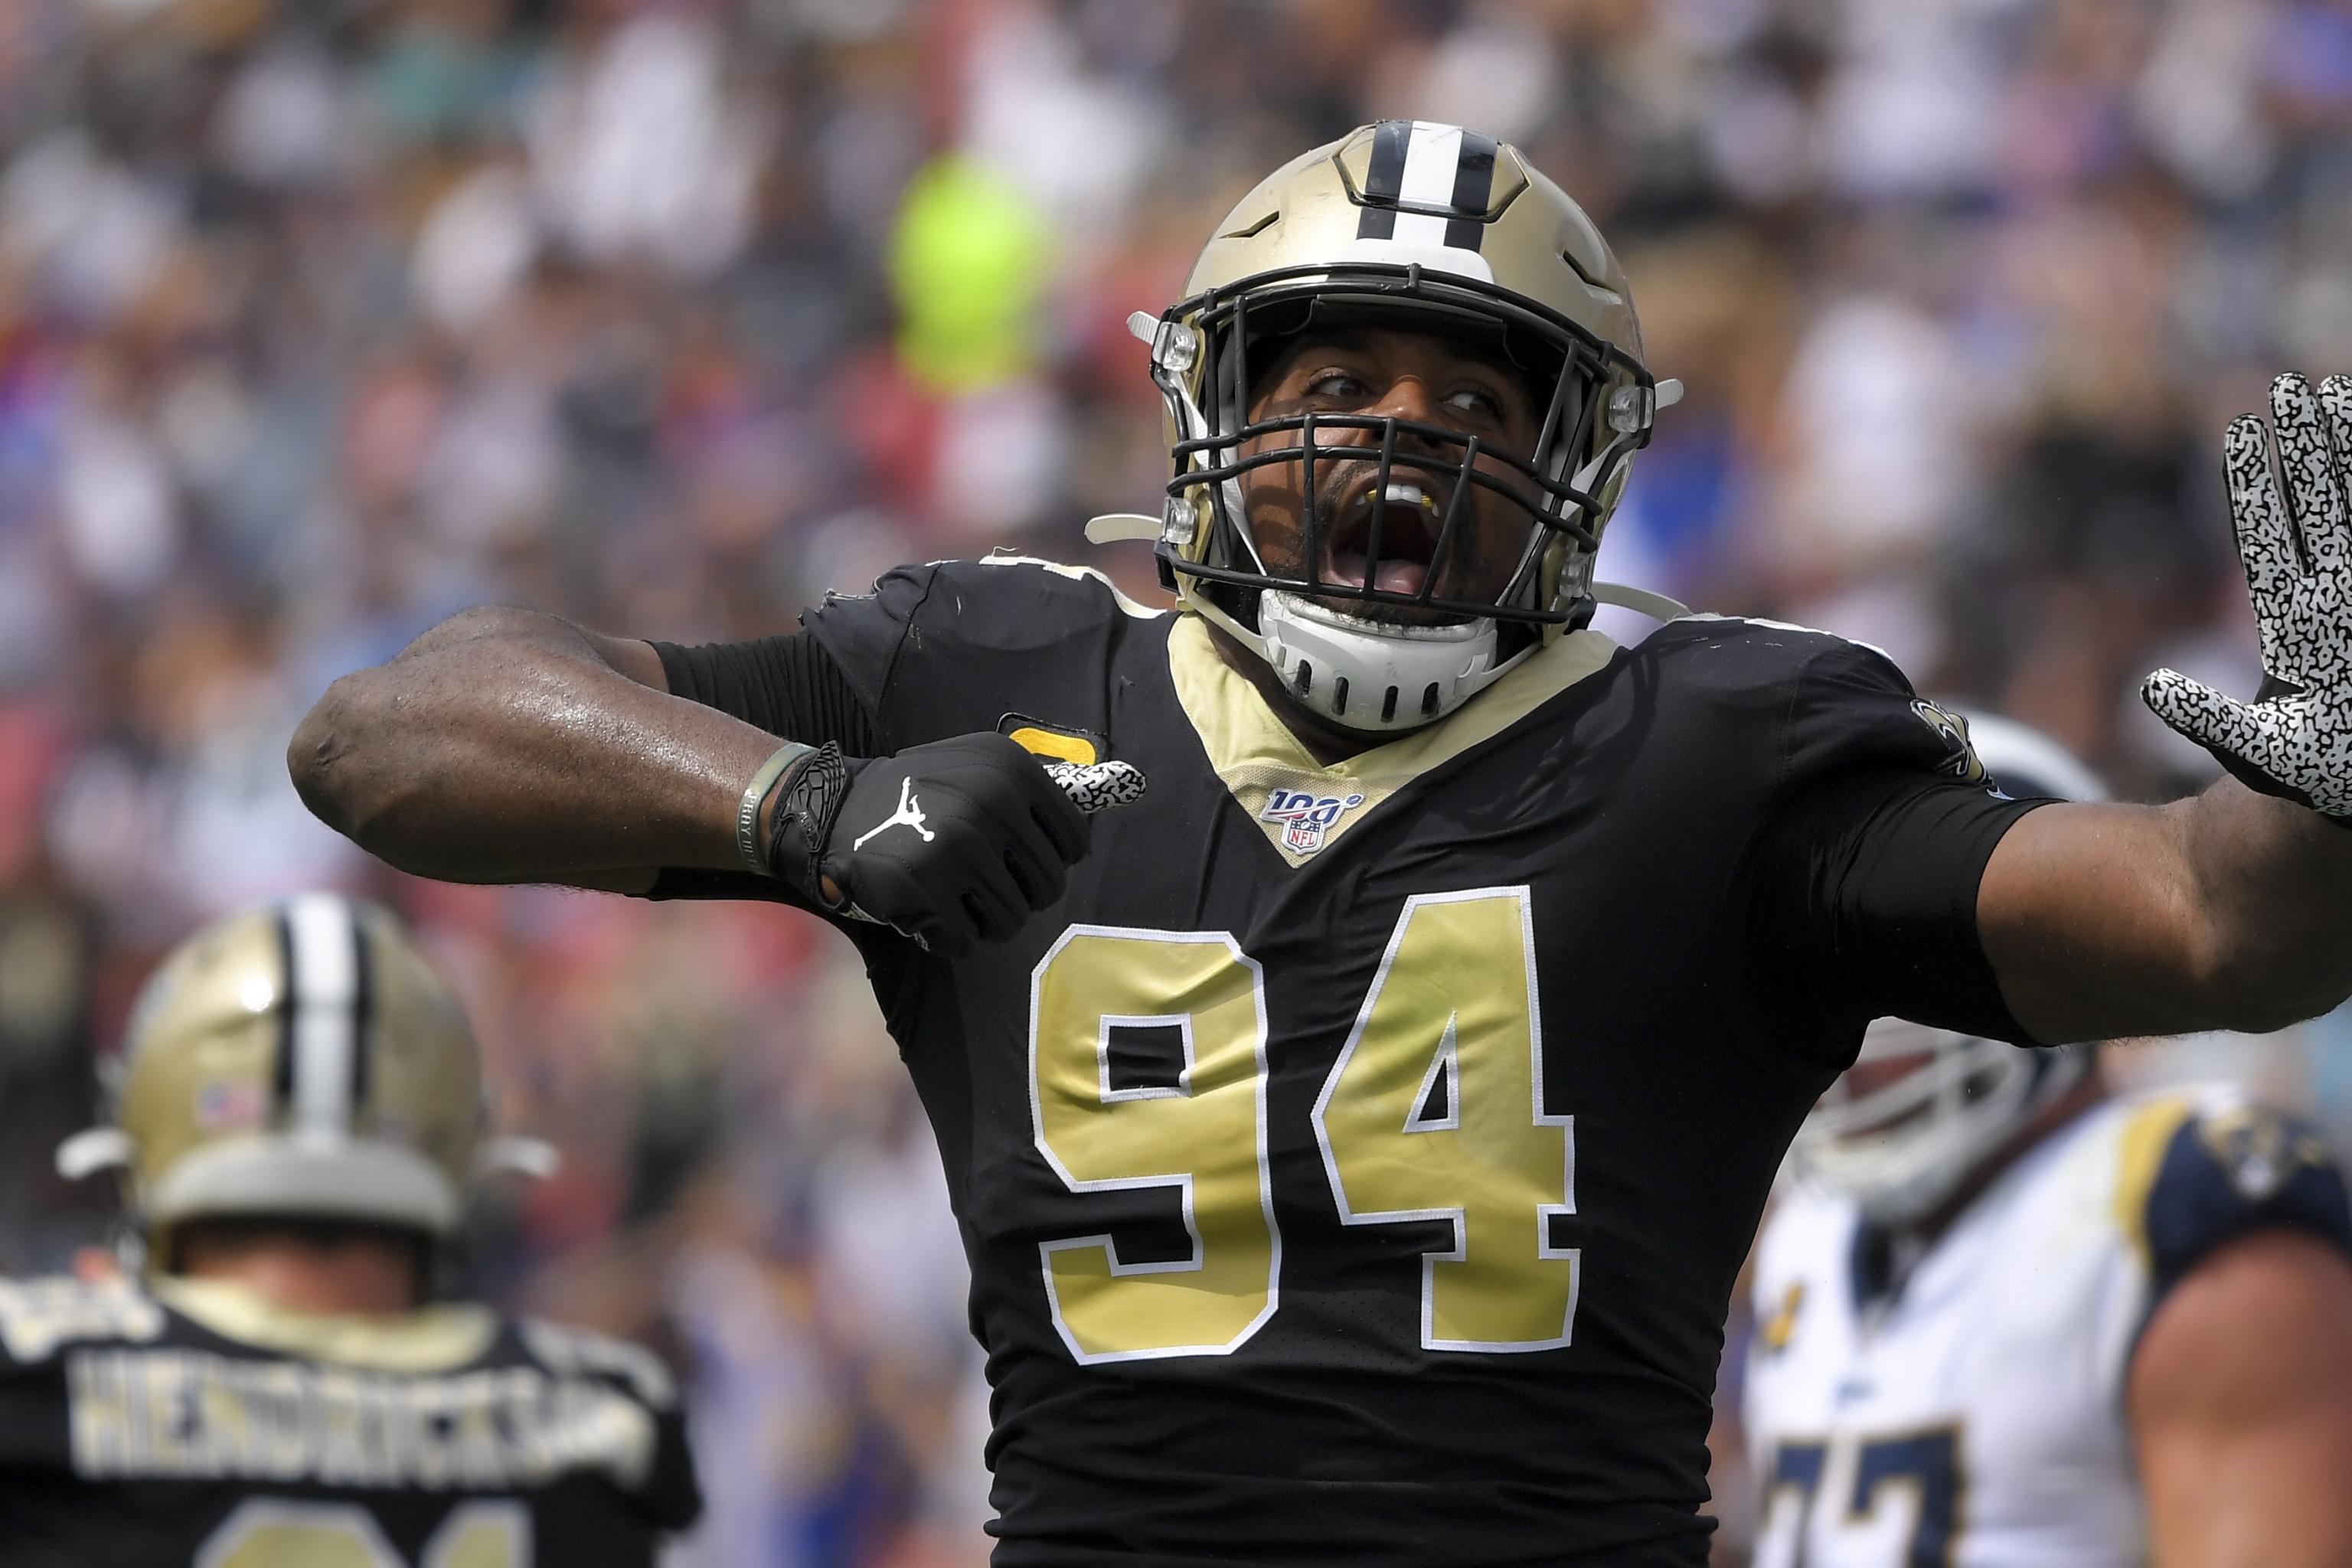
(2006, 1319)
(272, 1384)
(1357, 1137)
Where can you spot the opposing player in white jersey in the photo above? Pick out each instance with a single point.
(2006, 1319)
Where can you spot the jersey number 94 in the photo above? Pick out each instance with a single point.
(1431, 1113)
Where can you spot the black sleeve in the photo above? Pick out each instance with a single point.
(789, 686)
(1871, 903)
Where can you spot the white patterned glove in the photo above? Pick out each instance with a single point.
(2295, 739)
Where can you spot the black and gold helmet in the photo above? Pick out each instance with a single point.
(302, 1060)
(1424, 225)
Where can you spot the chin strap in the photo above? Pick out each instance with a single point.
(1113, 526)
(94, 1150)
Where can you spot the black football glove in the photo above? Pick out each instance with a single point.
(954, 843)
(2295, 739)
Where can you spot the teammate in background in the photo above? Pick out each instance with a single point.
(1356, 1139)
(2005, 1319)
(298, 1121)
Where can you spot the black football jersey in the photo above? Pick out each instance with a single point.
(1355, 1163)
(193, 1426)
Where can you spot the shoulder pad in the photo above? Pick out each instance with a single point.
(1707, 629)
(38, 1316)
(667, 1489)
(1835, 702)
(2197, 1178)
(1093, 583)
(1738, 655)
(578, 1352)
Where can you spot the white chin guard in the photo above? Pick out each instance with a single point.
(1373, 675)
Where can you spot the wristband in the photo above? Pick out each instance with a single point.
(755, 794)
(803, 822)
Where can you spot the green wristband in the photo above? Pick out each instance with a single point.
(755, 794)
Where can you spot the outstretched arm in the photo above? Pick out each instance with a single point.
(509, 746)
(2229, 910)
(2233, 909)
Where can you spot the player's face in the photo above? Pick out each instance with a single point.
(1411, 375)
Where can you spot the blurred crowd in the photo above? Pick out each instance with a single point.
(322, 319)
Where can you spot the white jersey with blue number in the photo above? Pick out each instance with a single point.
(1964, 1406)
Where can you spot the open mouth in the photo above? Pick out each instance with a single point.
(1407, 515)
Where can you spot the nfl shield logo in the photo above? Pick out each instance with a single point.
(1306, 817)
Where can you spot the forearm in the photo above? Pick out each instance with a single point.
(2228, 911)
(2273, 883)
(505, 746)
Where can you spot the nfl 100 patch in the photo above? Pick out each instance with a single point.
(1306, 817)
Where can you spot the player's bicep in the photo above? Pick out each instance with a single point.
(2090, 919)
(2239, 1402)
(631, 657)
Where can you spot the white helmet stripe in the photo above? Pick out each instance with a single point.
(1426, 190)
(1431, 154)
(324, 994)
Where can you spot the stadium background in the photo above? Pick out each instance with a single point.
(320, 319)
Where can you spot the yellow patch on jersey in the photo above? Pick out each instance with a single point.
(1775, 1331)
(1044, 741)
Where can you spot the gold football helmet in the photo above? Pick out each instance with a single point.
(302, 1059)
(1411, 223)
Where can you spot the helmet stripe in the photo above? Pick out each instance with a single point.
(1427, 184)
(1430, 156)
(1384, 181)
(281, 1085)
(324, 991)
(1474, 181)
(363, 1010)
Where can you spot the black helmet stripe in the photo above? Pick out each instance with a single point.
(282, 1074)
(363, 1011)
(1474, 180)
(1384, 181)
(1427, 184)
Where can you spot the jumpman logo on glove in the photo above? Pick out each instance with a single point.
(908, 814)
(992, 849)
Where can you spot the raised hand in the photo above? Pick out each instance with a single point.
(2295, 739)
